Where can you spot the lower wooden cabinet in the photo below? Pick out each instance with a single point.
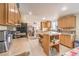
(45, 43)
(66, 40)
(48, 42)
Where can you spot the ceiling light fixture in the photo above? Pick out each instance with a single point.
(64, 8)
(30, 13)
(44, 18)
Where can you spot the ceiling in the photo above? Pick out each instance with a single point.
(49, 9)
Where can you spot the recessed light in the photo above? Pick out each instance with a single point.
(43, 18)
(64, 8)
(30, 13)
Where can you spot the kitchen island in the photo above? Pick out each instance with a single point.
(54, 39)
(47, 41)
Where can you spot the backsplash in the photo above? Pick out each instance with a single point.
(8, 28)
(12, 28)
(3, 27)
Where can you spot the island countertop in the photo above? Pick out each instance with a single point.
(55, 33)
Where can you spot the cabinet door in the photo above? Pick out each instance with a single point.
(62, 39)
(66, 40)
(47, 40)
(45, 43)
(17, 15)
(48, 25)
(2, 15)
(61, 23)
(72, 21)
(43, 24)
(11, 13)
(67, 22)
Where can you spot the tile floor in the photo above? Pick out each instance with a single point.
(32, 45)
(35, 48)
(17, 46)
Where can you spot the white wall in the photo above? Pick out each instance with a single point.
(30, 19)
(54, 25)
(3, 27)
(77, 26)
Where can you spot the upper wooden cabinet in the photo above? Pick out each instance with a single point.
(67, 22)
(2, 13)
(9, 14)
(46, 25)
(13, 14)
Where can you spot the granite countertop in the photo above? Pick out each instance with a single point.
(56, 33)
(50, 32)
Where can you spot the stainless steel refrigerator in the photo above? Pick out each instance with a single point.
(5, 40)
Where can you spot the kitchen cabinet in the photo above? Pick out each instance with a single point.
(66, 40)
(45, 43)
(67, 22)
(13, 14)
(46, 25)
(9, 14)
(72, 21)
(2, 13)
(60, 23)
